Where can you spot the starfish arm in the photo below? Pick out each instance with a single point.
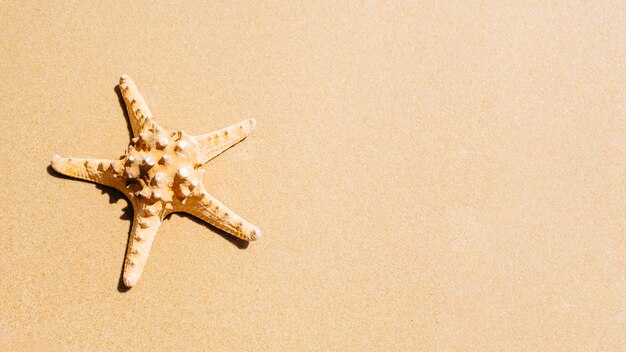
(212, 144)
(102, 171)
(138, 111)
(211, 210)
(144, 231)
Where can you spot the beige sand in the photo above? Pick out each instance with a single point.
(427, 177)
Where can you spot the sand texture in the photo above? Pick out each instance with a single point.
(427, 176)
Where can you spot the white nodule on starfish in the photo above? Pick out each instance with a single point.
(159, 177)
(149, 160)
(157, 189)
(185, 191)
(163, 142)
(145, 193)
(183, 172)
(182, 145)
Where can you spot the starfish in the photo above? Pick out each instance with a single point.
(160, 174)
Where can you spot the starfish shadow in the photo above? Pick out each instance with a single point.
(114, 197)
(238, 242)
(120, 100)
(127, 214)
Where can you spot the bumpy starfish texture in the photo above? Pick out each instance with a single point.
(160, 174)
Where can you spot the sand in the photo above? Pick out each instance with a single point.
(428, 177)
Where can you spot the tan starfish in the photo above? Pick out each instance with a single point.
(160, 174)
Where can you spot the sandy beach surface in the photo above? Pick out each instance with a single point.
(427, 176)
